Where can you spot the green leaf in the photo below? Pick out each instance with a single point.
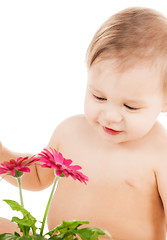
(28, 220)
(9, 236)
(94, 236)
(68, 235)
(71, 225)
(16, 236)
(16, 206)
(38, 237)
(67, 225)
(90, 233)
(68, 230)
(26, 238)
(24, 222)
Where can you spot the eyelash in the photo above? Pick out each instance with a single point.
(99, 98)
(104, 99)
(130, 108)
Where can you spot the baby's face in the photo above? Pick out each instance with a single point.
(123, 106)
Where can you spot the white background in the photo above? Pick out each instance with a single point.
(43, 73)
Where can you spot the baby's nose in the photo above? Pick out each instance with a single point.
(112, 115)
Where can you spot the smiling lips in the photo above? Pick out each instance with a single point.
(111, 131)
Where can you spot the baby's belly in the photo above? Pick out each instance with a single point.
(127, 213)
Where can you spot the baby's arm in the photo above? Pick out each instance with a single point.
(38, 178)
(60, 137)
(161, 176)
(30, 181)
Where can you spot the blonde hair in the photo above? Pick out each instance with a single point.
(130, 37)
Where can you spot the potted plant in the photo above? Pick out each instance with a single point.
(67, 230)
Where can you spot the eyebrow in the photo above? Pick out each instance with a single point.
(91, 87)
(137, 101)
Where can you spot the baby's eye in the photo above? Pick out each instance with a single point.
(130, 108)
(99, 98)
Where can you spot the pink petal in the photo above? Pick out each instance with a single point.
(13, 172)
(45, 166)
(67, 162)
(24, 169)
(75, 167)
(2, 171)
(58, 173)
(56, 160)
(66, 173)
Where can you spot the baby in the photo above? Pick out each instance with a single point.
(118, 141)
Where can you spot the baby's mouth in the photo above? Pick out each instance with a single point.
(111, 131)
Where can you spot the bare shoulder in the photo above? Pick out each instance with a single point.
(160, 169)
(70, 124)
(67, 129)
(73, 122)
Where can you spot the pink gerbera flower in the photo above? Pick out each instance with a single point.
(62, 166)
(21, 164)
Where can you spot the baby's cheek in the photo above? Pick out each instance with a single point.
(138, 128)
(89, 110)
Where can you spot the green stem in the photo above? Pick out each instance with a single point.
(48, 204)
(20, 191)
(34, 229)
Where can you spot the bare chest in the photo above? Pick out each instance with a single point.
(114, 168)
(121, 186)
(115, 178)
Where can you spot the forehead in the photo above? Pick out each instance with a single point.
(139, 76)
